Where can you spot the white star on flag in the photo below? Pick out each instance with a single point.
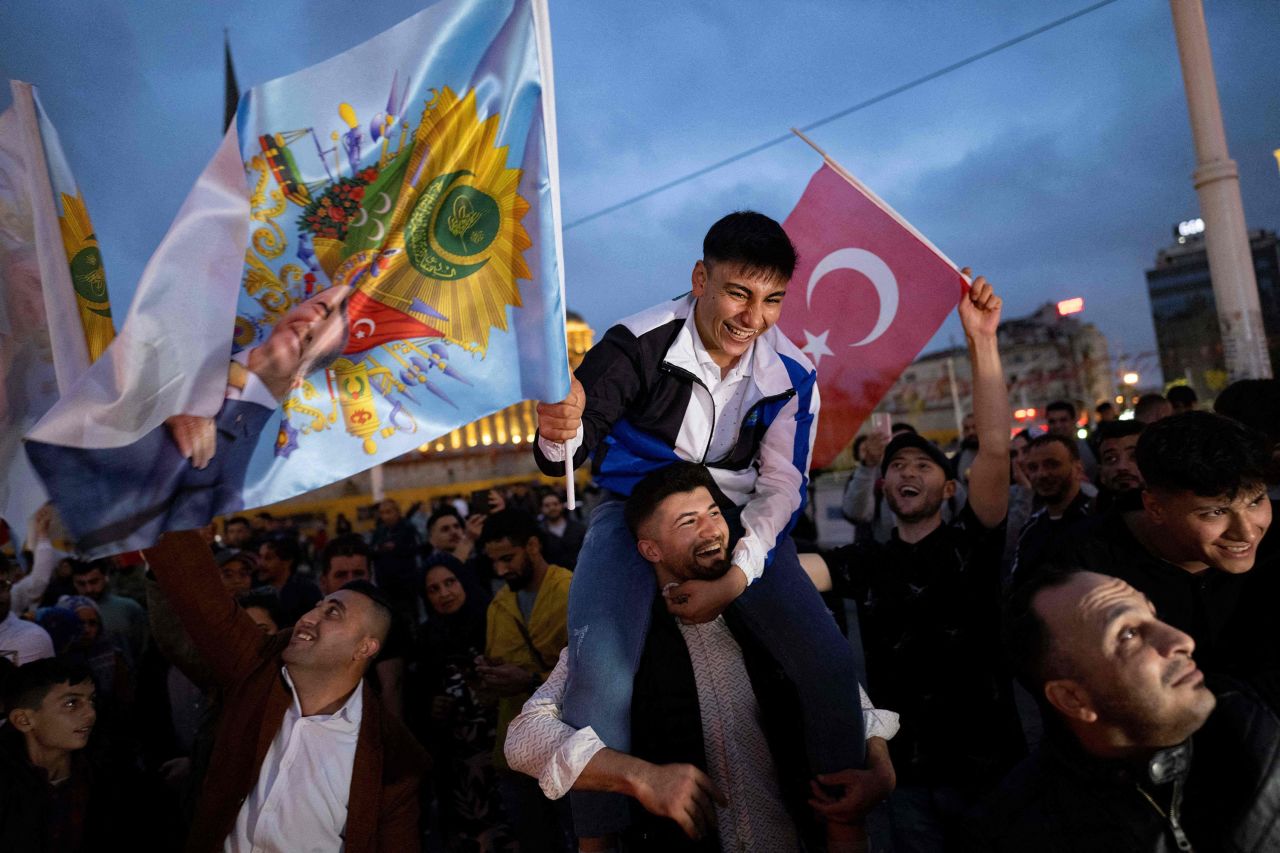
(816, 346)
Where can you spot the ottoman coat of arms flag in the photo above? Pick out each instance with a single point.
(55, 314)
(371, 259)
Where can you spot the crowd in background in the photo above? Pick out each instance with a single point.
(479, 591)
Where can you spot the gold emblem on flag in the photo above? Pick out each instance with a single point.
(87, 274)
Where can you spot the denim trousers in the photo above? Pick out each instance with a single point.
(609, 610)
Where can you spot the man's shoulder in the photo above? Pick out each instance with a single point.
(557, 581)
(656, 316)
(778, 345)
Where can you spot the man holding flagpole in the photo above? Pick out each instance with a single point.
(705, 378)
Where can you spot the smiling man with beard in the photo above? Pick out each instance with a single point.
(929, 607)
(716, 755)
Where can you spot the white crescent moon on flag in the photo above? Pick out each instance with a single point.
(364, 215)
(881, 277)
(382, 232)
(380, 208)
(358, 325)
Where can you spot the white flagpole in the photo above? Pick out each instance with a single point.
(569, 498)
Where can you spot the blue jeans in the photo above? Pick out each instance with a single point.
(609, 609)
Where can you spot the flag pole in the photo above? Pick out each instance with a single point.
(875, 199)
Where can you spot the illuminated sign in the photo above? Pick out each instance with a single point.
(1071, 306)
(1188, 228)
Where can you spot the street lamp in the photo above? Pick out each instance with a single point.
(1130, 378)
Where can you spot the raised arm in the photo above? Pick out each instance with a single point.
(989, 475)
(28, 591)
(224, 635)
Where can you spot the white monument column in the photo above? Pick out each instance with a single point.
(1216, 179)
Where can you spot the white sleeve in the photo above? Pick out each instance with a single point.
(554, 451)
(540, 744)
(778, 485)
(29, 590)
(878, 723)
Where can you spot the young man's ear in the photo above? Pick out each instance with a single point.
(1071, 700)
(949, 490)
(649, 550)
(20, 719)
(1153, 507)
(699, 278)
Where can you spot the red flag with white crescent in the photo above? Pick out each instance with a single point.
(868, 293)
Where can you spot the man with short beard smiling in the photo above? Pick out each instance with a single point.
(716, 753)
(1139, 753)
(929, 606)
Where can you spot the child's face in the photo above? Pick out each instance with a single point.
(64, 719)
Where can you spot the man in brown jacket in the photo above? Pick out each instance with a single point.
(305, 756)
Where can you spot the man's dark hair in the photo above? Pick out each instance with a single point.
(442, 512)
(857, 445)
(1203, 453)
(752, 240)
(1146, 403)
(1042, 440)
(348, 545)
(1253, 402)
(285, 548)
(1109, 430)
(902, 426)
(381, 606)
(267, 598)
(265, 516)
(657, 486)
(1062, 406)
(516, 526)
(80, 567)
(1104, 406)
(1025, 634)
(1182, 395)
(239, 519)
(27, 685)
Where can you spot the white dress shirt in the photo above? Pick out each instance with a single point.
(540, 744)
(300, 802)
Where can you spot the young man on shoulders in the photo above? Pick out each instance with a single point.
(705, 378)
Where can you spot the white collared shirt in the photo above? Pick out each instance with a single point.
(300, 801)
(540, 744)
(254, 390)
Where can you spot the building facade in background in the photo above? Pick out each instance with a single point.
(1046, 357)
(1185, 313)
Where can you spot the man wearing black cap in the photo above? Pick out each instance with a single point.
(929, 606)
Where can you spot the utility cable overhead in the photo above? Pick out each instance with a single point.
(897, 90)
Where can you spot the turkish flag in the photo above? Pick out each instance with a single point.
(373, 323)
(867, 295)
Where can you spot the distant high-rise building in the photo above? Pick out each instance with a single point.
(1186, 315)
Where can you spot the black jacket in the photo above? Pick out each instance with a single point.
(1061, 800)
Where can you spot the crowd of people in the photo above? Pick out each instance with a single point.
(1052, 642)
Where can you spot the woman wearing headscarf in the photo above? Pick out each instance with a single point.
(449, 714)
(110, 672)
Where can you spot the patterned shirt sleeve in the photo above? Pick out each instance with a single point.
(540, 744)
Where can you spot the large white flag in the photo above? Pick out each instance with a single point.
(55, 317)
